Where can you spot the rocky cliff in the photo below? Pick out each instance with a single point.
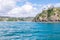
(51, 14)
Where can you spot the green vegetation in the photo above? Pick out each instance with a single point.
(51, 14)
(15, 19)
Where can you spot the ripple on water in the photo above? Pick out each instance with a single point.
(29, 31)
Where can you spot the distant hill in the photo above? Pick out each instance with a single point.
(4, 18)
(49, 15)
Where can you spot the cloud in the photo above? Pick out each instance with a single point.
(6, 6)
(57, 5)
(23, 11)
(45, 7)
(28, 9)
(9, 8)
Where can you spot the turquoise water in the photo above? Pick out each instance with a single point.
(29, 31)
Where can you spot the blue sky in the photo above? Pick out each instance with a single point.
(44, 1)
(40, 2)
(25, 8)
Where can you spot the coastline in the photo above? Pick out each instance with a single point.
(30, 21)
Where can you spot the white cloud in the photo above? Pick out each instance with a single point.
(7, 3)
(9, 8)
(51, 5)
(45, 7)
(57, 5)
(23, 11)
(6, 6)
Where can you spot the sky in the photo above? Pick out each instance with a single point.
(25, 8)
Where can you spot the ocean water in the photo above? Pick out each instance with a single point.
(29, 31)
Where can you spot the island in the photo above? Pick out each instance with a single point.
(52, 14)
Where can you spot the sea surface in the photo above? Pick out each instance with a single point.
(29, 31)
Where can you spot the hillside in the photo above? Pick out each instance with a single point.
(4, 18)
(49, 15)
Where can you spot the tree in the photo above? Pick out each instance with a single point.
(49, 12)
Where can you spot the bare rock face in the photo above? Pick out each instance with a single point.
(50, 15)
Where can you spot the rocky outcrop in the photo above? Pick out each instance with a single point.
(49, 15)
